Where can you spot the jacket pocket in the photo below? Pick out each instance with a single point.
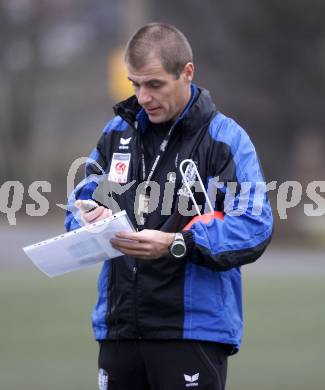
(219, 291)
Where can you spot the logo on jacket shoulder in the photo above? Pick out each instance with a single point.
(119, 168)
(191, 381)
(124, 143)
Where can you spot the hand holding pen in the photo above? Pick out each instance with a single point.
(91, 211)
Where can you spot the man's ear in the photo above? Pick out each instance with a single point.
(188, 72)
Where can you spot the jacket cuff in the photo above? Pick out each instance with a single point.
(189, 240)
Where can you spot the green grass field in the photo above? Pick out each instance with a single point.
(46, 340)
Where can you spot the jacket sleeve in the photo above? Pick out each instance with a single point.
(94, 169)
(246, 229)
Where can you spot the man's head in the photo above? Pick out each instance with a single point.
(160, 66)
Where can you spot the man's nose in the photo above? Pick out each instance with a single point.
(143, 97)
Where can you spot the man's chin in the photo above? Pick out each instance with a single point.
(157, 119)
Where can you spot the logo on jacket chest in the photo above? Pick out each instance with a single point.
(124, 143)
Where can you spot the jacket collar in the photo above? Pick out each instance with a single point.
(198, 111)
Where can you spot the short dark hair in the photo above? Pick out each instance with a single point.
(164, 41)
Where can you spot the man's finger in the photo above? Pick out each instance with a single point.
(130, 245)
(133, 253)
(127, 235)
(136, 236)
(93, 215)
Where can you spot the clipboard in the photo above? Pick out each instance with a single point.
(80, 248)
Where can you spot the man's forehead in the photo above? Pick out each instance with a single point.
(152, 70)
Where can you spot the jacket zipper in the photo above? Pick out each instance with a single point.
(135, 299)
(134, 125)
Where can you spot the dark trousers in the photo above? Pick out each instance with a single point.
(162, 365)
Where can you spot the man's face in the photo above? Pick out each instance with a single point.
(162, 96)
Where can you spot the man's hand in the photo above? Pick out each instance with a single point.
(95, 215)
(145, 245)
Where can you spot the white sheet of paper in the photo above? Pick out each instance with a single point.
(79, 248)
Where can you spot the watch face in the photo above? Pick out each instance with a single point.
(178, 249)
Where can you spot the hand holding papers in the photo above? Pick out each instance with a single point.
(79, 248)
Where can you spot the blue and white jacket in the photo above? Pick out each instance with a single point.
(198, 297)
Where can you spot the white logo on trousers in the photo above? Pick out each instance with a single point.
(191, 380)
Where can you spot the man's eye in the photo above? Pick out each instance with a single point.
(155, 85)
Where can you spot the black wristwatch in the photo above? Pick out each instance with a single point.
(178, 246)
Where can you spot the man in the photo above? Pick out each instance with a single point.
(169, 311)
